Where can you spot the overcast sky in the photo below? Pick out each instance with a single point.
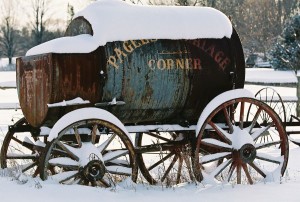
(57, 9)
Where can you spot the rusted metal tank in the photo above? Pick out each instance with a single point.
(160, 81)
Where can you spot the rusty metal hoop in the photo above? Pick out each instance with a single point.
(21, 149)
(164, 157)
(227, 151)
(89, 152)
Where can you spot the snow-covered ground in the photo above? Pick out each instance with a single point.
(8, 79)
(4, 64)
(267, 75)
(34, 189)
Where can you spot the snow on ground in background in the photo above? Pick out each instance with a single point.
(8, 79)
(267, 75)
(9, 99)
(286, 93)
(4, 62)
(136, 22)
(8, 91)
(7, 117)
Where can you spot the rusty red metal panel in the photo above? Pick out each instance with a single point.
(52, 78)
(34, 95)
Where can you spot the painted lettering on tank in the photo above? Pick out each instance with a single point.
(177, 63)
(217, 55)
(120, 53)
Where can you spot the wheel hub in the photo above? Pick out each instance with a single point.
(247, 153)
(94, 170)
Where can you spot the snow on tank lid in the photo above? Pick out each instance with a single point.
(116, 20)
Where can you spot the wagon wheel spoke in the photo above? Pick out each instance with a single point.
(83, 182)
(242, 111)
(114, 155)
(245, 168)
(228, 120)
(94, 184)
(70, 150)
(28, 146)
(255, 119)
(94, 133)
(215, 157)
(77, 136)
(158, 137)
(64, 163)
(64, 176)
(222, 133)
(179, 170)
(68, 178)
(238, 174)
(253, 165)
(269, 158)
(104, 145)
(169, 168)
(29, 167)
(210, 142)
(221, 167)
(119, 170)
(23, 157)
(118, 162)
(261, 131)
(104, 183)
(161, 161)
(230, 172)
(268, 144)
(189, 167)
(59, 152)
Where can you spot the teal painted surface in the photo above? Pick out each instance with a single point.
(166, 80)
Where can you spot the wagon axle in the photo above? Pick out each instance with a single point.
(94, 170)
(247, 153)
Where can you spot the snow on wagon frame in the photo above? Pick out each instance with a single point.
(153, 72)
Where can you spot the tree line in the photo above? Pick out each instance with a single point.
(259, 23)
(15, 40)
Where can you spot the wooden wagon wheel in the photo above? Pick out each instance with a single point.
(89, 152)
(21, 150)
(272, 98)
(235, 156)
(164, 157)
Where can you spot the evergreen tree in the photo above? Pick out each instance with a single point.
(286, 53)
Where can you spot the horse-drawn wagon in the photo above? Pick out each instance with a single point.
(152, 89)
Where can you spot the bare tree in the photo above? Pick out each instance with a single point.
(71, 13)
(39, 10)
(8, 33)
